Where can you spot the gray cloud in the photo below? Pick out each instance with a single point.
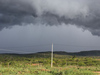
(82, 13)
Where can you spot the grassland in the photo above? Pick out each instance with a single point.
(39, 64)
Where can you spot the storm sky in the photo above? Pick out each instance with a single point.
(33, 25)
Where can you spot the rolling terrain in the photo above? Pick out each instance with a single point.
(64, 63)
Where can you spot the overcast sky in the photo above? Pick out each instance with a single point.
(33, 25)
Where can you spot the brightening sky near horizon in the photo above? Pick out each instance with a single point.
(28, 26)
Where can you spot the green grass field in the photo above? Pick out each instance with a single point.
(39, 64)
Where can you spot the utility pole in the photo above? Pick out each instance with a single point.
(52, 56)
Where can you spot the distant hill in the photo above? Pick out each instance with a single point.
(82, 53)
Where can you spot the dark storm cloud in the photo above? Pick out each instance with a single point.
(82, 13)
